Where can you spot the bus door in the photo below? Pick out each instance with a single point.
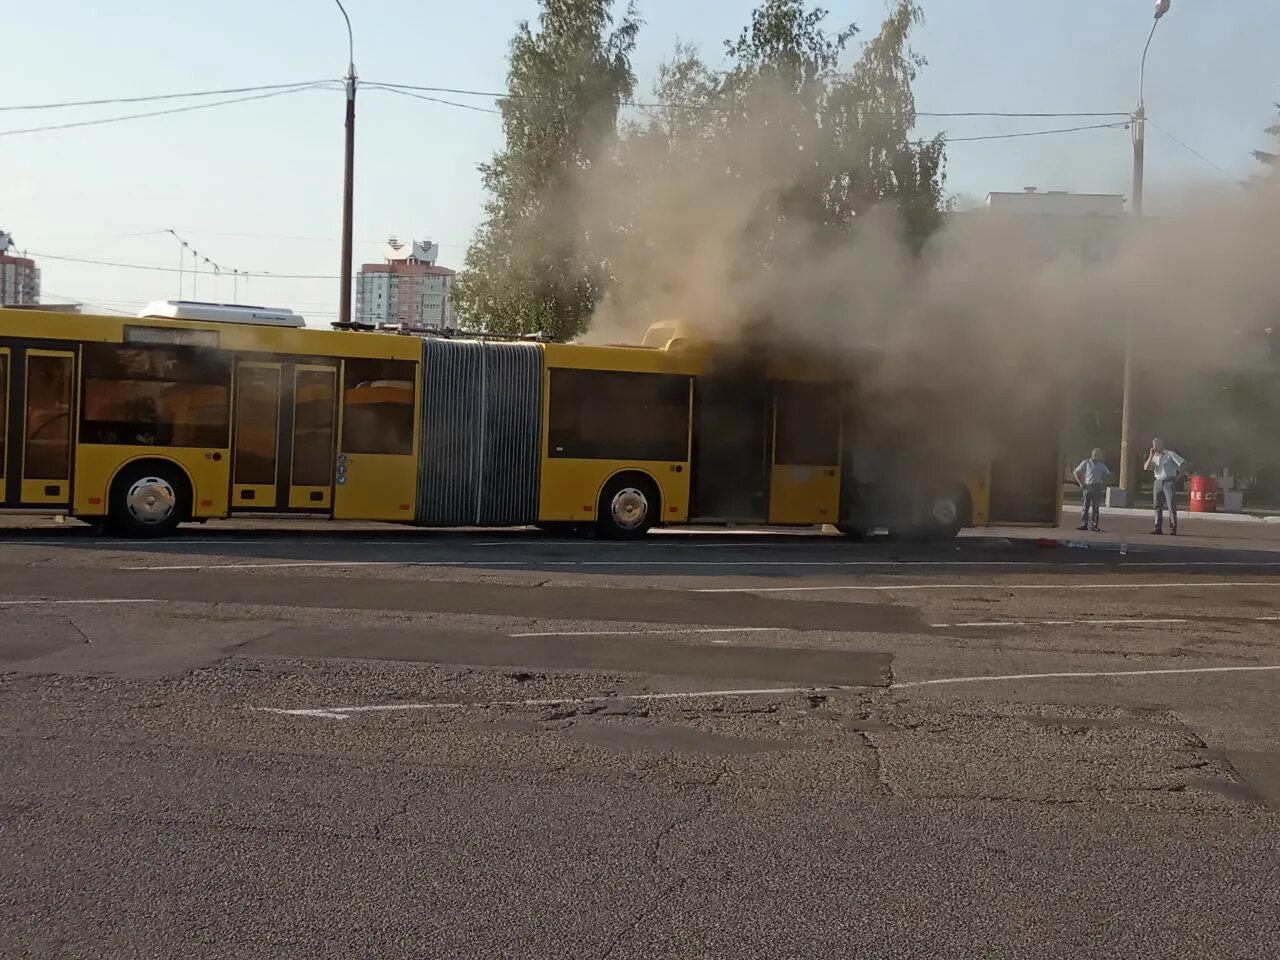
(805, 483)
(732, 449)
(1026, 471)
(37, 402)
(285, 433)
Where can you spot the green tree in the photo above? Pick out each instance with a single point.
(533, 265)
(872, 112)
(839, 141)
(1271, 159)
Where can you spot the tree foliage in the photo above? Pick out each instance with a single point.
(530, 266)
(1271, 158)
(841, 139)
(814, 146)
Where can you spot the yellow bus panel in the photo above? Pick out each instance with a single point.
(571, 489)
(98, 464)
(804, 495)
(978, 483)
(376, 486)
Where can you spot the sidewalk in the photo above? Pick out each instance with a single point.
(1183, 514)
(1071, 504)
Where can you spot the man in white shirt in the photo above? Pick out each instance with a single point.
(1167, 467)
(1092, 476)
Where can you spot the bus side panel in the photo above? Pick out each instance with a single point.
(97, 464)
(804, 495)
(376, 486)
(978, 483)
(613, 401)
(571, 488)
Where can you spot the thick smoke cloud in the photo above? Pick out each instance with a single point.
(995, 307)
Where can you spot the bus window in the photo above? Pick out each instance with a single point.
(378, 406)
(611, 415)
(808, 424)
(155, 396)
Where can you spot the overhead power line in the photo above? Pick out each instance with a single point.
(265, 236)
(1194, 152)
(1031, 133)
(492, 95)
(320, 85)
(995, 136)
(421, 96)
(140, 266)
(160, 96)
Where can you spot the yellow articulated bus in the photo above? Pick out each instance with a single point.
(138, 425)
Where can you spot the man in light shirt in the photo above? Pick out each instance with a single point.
(1167, 467)
(1092, 476)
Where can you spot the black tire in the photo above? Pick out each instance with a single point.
(628, 508)
(946, 512)
(851, 532)
(148, 500)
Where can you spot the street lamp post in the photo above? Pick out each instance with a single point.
(1139, 161)
(348, 177)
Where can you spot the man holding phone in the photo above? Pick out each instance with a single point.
(1167, 468)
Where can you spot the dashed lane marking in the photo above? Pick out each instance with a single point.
(1056, 623)
(345, 713)
(888, 587)
(1070, 675)
(32, 603)
(635, 633)
(538, 564)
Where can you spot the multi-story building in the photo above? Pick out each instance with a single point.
(19, 276)
(1058, 221)
(408, 291)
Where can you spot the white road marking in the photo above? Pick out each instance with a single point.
(1081, 675)
(631, 633)
(299, 563)
(1051, 623)
(538, 564)
(344, 713)
(994, 586)
(24, 603)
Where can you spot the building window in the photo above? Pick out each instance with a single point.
(608, 415)
(378, 406)
(155, 396)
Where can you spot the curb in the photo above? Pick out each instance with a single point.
(1182, 514)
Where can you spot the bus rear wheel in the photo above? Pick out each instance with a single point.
(628, 507)
(148, 500)
(947, 512)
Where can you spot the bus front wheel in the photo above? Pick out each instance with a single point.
(148, 500)
(628, 507)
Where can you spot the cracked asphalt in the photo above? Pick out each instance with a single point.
(280, 741)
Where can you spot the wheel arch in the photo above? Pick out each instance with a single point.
(159, 463)
(637, 472)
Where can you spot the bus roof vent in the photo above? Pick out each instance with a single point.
(222, 313)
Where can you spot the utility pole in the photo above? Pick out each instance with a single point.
(1139, 170)
(348, 178)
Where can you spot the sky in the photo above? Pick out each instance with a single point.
(256, 186)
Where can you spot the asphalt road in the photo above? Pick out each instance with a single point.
(311, 742)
